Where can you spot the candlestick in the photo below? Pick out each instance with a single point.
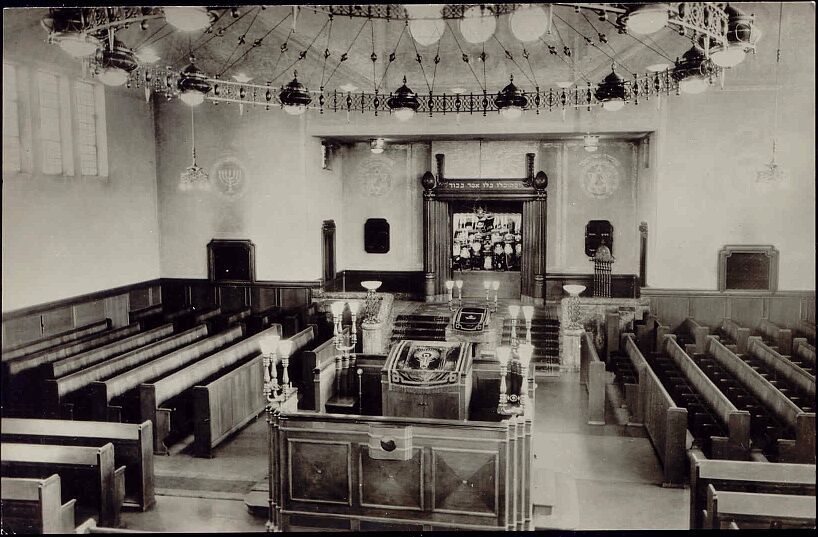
(495, 285)
(503, 354)
(514, 311)
(528, 313)
(526, 351)
(449, 287)
(459, 285)
(487, 287)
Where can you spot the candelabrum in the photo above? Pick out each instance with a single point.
(450, 285)
(513, 312)
(525, 352)
(371, 307)
(338, 328)
(528, 314)
(274, 348)
(489, 286)
(509, 403)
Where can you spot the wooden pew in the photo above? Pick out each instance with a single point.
(782, 366)
(34, 506)
(31, 361)
(697, 332)
(55, 340)
(327, 374)
(807, 328)
(259, 320)
(804, 352)
(163, 388)
(760, 511)
(133, 448)
(737, 333)
(225, 405)
(312, 360)
(148, 317)
(737, 445)
(89, 358)
(88, 472)
(646, 333)
(664, 421)
(56, 391)
(595, 381)
(802, 449)
(101, 393)
(781, 337)
(224, 320)
(758, 477)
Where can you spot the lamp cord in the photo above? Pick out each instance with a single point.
(777, 61)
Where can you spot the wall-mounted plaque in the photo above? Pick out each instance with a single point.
(231, 260)
(595, 232)
(376, 236)
(748, 268)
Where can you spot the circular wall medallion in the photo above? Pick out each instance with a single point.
(599, 176)
(375, 176)
(229, 176)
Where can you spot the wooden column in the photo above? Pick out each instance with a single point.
(429, 245)
(534, 242)
(643, 254)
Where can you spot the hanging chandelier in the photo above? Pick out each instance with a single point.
(720, 34)
(193, 177)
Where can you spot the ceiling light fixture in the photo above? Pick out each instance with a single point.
(611, 92)
(658, 67)
(242, 78)
(295, 97)
(647, 18)
(510, 101)
(742, 36)
(188, 18)
(193, 84)
(116, 64)
(590, 143)
(404, 102)
(478, 24)
(348, 88)
(377, 145)
(77, 44)
(425, 23)
(528, 23)
(193, 176)
(693, 71)
(147, 55)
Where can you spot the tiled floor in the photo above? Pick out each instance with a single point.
(591, 477)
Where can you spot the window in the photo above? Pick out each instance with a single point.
(51, 141)
(86, 127)
(12, 157)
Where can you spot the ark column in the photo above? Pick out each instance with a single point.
(429, 243)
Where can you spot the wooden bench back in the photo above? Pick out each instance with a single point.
(55, 340)
(737, 333)
(768, 477)
(88, 358)
(145, 313)
(782, 366)
(128, 380)
(133, 446)
(56, 389)
(176, 383)
(803, 350)
(781, 337)
(698, 331)
(758, 510)
(35, 506)
(31, 361)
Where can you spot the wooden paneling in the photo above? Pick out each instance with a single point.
(233, 298)
(89, 312)
(747, 311)
(785, 310)
(22, 330)
(321, 471)
(139, 298)
(390, 484)
(708, 310)
(263, 298)
(622, 285)
(409, 282)
(59, 320)
(117, 309)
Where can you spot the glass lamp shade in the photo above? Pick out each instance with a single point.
(613, 105)
(449, 285)
(657, 67)
(728, 56)
(404, 114)
(113, 76)
(525, 351)
(486, 285)
(528, 312)
(477, 25)
(78, 45)
(371, 285)
(503, 354)
(354, 307)
(269, 344)
(514, 311)
(285, 348)
(187, 18)
(427, 32)
(511, 112)
(495, 285)
(295, 109)
(693, 85)
(647, 19)
(458, 284)
(192, 97)
(147, 55)
(528, 23)
(337, 308)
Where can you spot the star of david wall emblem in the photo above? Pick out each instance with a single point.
(599, 176)
(375, 176)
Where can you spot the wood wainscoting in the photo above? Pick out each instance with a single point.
(784, 308)
(43, 320)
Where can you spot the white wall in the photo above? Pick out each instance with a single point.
(66, 236)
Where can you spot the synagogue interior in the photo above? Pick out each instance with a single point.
(408, 267)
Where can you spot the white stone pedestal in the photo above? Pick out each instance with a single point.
(570, 348)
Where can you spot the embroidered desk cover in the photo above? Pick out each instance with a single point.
(471, 318)
(425, 364)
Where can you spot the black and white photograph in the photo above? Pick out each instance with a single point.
(408, 267)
